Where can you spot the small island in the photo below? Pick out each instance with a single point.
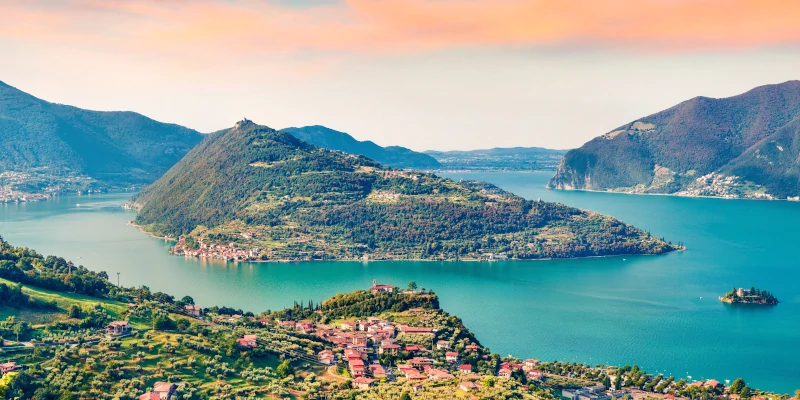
(749, 296)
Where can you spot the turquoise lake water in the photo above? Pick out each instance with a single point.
(646, 310)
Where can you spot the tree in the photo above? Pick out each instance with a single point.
(284, 369)
(163, 323)
(737, 386)
(412, 286)
(618, 381)
(606, 381)
(75, 311)
(405, 396)
(20, 329)
(187, 300)
(746, 393)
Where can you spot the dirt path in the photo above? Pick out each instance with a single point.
(330, 374)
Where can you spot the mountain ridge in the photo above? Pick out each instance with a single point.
(394, 156)
(688, 149)
(115, 147)
(499, 159)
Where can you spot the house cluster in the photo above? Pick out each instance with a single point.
(385, 195)
(218, 251)
(161, 391)
(400, 174)
(355, 337)
(528, 367)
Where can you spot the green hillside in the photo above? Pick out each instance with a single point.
(116, 148)
(392, 156)
(263, 189)
(742, 146)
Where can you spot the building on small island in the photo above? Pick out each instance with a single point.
(749, 296)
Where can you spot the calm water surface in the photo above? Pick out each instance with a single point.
(660, 312)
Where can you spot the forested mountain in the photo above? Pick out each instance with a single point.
(499, 159)
(118, 148)
(741, 146)
(392, 156)
(251, 187)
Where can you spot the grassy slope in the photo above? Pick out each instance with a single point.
(64, 301)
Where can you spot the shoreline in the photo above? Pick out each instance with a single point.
(141, 229)
(286, 261)
(668, 195)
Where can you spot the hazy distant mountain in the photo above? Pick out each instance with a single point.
(501, 159)
(283, 198)
(118, 148)
(394, 156)
(741, 146)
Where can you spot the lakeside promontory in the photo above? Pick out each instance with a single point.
(251, 192)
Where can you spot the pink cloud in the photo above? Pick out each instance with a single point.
(206, 29)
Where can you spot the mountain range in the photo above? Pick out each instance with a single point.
(499, 159)
(116, 148)
(393, 156)
(279, 198)
(745, 146)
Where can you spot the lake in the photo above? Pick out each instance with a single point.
(660, 312)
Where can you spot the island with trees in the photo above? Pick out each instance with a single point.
(749, 296)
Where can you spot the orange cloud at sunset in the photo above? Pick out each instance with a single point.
(266, 28)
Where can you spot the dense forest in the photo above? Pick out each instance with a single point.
(259, 188)
(695, 146)
(20, 264)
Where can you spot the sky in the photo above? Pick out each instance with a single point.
(436, 74)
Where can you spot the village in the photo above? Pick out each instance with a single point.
(408, 343)
(360, 349)
(214, 251)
